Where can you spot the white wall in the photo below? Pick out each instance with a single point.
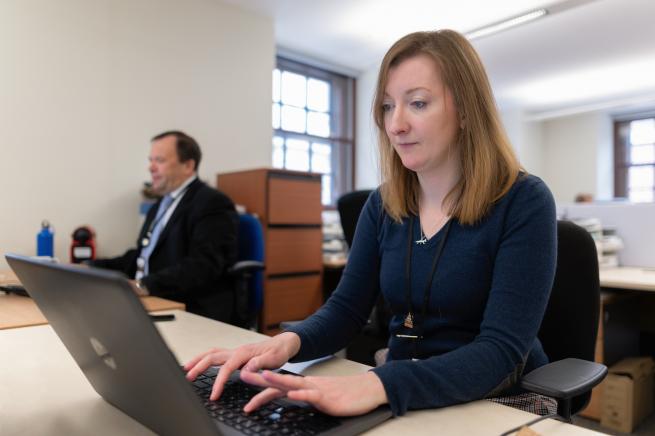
(83, 87)
(526, 138)
(578, 157)
(367, 169)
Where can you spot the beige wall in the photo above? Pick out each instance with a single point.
(578, 156)
(367, 168)
(85, 84)
(526, 138)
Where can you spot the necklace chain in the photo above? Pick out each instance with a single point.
(424, 239)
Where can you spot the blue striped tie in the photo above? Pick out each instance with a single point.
(147, 250)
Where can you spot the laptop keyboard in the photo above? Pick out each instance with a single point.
(273, 418)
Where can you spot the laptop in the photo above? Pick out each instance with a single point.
(106, 329)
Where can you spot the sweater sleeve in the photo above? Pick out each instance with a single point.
(345, 313)
(523, 273)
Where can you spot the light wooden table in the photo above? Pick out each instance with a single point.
(45, 393)
(625, 277)
(18, 311)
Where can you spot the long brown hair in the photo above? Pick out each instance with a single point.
(488, 164)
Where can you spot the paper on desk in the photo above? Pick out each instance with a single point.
(299, 367)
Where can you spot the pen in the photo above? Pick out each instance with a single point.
(167, 317)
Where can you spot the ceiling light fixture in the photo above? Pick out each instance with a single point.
(506, 24)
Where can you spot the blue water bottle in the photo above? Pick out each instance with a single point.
(45, 240)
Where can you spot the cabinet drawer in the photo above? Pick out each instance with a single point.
(293, 250)
(291, 298)
(294, 200)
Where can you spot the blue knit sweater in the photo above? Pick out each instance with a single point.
(486, 302)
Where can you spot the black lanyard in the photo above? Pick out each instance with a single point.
(409, 319)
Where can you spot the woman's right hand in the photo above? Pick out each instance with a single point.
(269, 354)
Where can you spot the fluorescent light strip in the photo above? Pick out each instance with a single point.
(506, 24)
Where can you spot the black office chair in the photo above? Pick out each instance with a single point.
(375, 335)
(570, 325)
(350, 206)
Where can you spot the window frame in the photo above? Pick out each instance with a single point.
(342, 125)
(622, 162)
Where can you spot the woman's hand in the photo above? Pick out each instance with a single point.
(271, 353)
(338, 396)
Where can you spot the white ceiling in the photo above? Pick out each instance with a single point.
(585, 54)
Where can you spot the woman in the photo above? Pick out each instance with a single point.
(460, 242)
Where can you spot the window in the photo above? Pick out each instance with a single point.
(634, 159)
(313, 125)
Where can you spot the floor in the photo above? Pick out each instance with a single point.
(646, 428)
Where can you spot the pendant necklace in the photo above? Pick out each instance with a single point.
(409, 318)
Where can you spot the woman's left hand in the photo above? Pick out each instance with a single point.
(338, 396)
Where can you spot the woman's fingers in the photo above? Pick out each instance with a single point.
(238, 358)
(266, 379)
(253, 378)
(199, 364)
(262, 398)
(313, 396)
(193, 362)
(284, 381)
(268, 359)
(277, 385)
(271, 353)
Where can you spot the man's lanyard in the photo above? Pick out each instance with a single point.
(145, 241)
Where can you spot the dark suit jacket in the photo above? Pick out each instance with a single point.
(192, 254)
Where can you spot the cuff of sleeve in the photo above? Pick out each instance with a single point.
(304, 353)
(149, 284)
(397, 396)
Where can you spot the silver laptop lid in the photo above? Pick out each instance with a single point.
(106, 329)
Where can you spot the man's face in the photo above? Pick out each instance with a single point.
(166, 170)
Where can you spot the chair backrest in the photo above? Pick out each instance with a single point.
(350, 206)
(570, 323)
(251, 247)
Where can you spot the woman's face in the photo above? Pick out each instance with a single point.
(420, 117)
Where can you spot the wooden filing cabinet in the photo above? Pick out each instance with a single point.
(288, 204)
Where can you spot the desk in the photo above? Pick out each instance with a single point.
(631, 278)
(18, 311)
(7, 277)
(45, 393)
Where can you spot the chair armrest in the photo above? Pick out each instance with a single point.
(565, 378)
(245, 267)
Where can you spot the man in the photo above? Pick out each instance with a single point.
(189, 237)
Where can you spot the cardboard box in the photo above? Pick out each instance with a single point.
(628, 394)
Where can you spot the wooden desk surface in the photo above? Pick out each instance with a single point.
(624, 277)
(18, 311)
(7, 277)
(45, 393)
